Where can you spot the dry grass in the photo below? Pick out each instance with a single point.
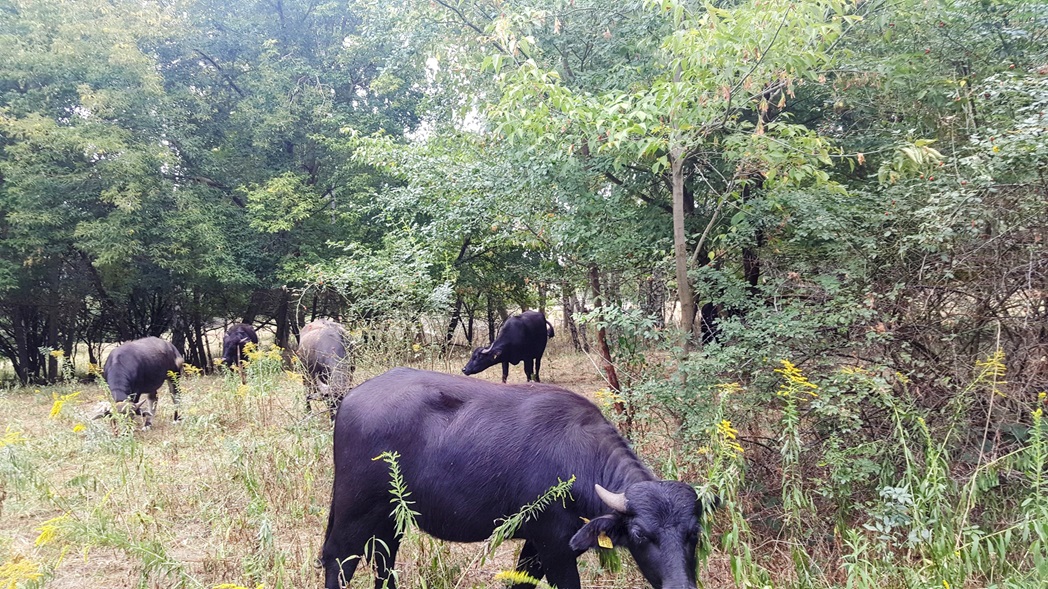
(237, 493)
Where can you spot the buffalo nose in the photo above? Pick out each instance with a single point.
(464, 371)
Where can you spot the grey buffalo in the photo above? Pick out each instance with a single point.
(326, 355)
(522, 338)
(472, 453)
(139, 368)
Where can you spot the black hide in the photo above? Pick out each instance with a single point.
(473, 453)
(234, 341)
(141, 367)
(522, 338)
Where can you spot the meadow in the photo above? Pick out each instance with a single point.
(236, 494)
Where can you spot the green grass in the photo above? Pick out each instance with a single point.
(236, 493)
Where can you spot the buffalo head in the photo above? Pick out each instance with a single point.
(482, 359)
(658, 522)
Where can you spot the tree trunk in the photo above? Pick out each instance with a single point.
(283, 320)
(602, 340)
(751, 262)
(491, 320)
(567, 302)
(456, 318)
(680, 249)
(21, 345)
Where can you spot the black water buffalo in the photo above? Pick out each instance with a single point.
(523, 337)
(141, 367)
(234, 341)
(472, 453)
(325, 352)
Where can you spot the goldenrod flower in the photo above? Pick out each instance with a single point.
(60, 401)
(729, 434)
(18, 571)
(79, 428)
(11, 437)
(49, 530)
(516, 578)
(724, 427)
(58, 353)
(795, 381)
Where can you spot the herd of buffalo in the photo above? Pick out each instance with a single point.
(472, 453)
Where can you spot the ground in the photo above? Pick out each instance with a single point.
(234, 495)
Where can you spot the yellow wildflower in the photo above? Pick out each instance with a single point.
(795, 381)
(93, 369)
(79, 428)
(516, 578)
(18, 571)
(294, 376)
(724, 427)
(58, 353)
(60, 401)
(729, 434)
(11, 437)
(191, 370)
(242, 390)
(50, 529)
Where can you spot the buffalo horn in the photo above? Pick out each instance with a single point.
(616, 501)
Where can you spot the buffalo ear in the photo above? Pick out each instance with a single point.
(610, 526)
(707, 503)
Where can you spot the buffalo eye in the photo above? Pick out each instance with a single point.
(639, 536)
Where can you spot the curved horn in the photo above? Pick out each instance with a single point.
(487, 350)
(616, 501)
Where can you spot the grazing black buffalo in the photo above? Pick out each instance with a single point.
(325, 352)
(234, 341)
(523, 337)
(473, 453)
(141, 367)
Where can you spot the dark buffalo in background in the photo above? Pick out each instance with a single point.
(234, 341)
(325, 352)
(522, 338)
(138, 368)
(473, 453)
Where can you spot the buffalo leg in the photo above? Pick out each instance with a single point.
(505, 371)
(538, 364)
(353, 537)
(171, 384)
(147, 408)
(562, 570)
(529, 369)
(528, 563)
(383, 558)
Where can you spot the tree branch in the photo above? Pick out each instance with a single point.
(214, 64)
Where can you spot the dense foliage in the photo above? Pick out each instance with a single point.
(845, 197)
